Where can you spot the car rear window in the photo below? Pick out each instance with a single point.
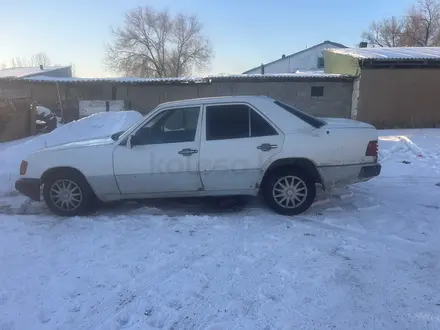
(309, 119)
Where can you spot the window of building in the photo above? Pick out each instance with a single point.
(317, 91)
(320, 62)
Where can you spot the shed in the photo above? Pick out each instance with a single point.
(327, 95)
(395, 87)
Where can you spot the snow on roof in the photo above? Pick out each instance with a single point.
(124, 80)
(316, 75)
(27, 71)
(390, 53)
(335, 44)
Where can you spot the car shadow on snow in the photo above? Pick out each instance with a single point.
(179, 206)
(346, 199)
(219, 206)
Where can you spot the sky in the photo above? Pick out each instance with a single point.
(244, 33)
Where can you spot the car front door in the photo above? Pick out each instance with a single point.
(236, 142)
(162, 156)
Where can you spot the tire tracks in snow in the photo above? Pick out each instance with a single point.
(111, 307)
(391, 240)
(191, 316)
(245, 287)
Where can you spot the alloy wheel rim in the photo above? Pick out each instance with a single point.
(290, 192)
(66, 195)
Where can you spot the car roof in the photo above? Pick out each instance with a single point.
(265, 104)
(217, 99)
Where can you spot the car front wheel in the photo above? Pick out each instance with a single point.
(67, 194)
(289, 191)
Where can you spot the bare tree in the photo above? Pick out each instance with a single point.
(388, 32)
(40, 59)
(18, 62)
(422, 24)
(155, 44)
(419, 27)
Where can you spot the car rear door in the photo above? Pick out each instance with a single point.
(236, 141)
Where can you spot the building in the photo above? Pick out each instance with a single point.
(309, 59)
(327, 95)
(26, 72)
(394, 87)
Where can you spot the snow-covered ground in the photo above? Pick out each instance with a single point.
(366, 259)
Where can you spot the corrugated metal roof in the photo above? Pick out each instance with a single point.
(390, 53)
(119, 80)
(27, 71)
(312, 75)
(308, 75)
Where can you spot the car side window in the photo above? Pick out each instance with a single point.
(170, 126)
(227, 122)
(260, 127)
(235, 121)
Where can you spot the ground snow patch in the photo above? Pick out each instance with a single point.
(95, 126)
(364, 259)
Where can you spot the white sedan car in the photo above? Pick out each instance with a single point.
(223, 146)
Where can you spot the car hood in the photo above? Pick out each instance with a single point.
(80, 144)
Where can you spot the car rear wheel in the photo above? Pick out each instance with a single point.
(67, 194)
(289, 191)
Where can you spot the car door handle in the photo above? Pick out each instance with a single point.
(188, 152)
(267, 146)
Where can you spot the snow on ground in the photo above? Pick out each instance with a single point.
(97, 125)
(366, 259)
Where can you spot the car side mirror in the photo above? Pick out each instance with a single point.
(132, 141)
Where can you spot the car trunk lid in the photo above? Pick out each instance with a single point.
(345, 123)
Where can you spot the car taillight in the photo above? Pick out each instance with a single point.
(372, 149)
(23, 167)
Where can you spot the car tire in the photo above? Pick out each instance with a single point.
(289, 191)
(67, 193)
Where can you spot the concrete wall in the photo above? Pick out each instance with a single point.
(391, 98)
(304, 61)
(336, 101)
(339, 63)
